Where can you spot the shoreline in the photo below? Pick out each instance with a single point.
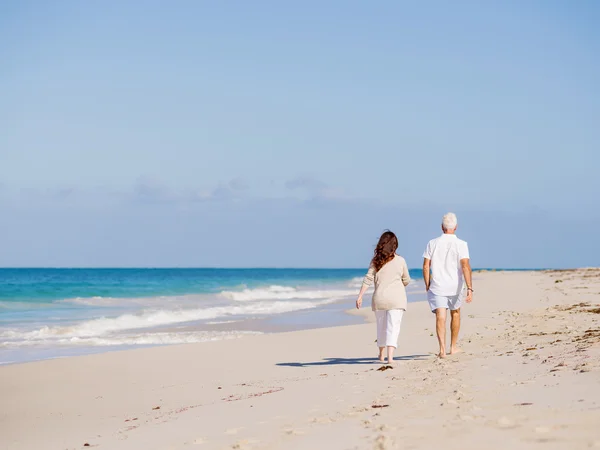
(297, 314)
(194, 331)
(338, 313)
(529, 378)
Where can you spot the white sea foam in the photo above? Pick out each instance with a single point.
(133, 339)
(137, 301)
(221, 322)
(154, 318)
(356, 282)
(136, 320)
(283, 293)
(91, 301)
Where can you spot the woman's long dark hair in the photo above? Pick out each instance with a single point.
(385, 250)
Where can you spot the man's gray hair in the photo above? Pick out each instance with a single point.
(449, 221)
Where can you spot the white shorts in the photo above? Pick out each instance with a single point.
(388, 327)
(451, 302)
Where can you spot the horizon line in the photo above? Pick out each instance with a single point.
(246, 268)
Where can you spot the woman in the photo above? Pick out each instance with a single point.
(390, 274)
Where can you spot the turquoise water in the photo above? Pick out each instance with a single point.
(44, 285)
(56, 312)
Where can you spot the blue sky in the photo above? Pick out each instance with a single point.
(275, 134)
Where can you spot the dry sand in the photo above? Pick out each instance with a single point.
(529, 378)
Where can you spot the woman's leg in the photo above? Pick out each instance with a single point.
(380, 317)
(393, 322)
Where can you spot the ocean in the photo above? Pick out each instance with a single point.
(51, 313)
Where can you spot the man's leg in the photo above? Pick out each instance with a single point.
(454, 329)
(440, 328)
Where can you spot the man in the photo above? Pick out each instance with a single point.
(446, 270)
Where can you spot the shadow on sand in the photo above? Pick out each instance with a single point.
(352, 361)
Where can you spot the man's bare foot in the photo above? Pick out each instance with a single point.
(455, 350)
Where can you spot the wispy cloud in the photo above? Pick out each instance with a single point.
(239, 184)
(324, 221)
(152, 190)
(149, 189)
(317, 191)
(64, 192)
(308, 183)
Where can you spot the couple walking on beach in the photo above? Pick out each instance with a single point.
(447, 276)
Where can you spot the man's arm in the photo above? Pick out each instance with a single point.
(466, 270)
(426, 273)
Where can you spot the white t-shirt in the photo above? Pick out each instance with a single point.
(445, 253)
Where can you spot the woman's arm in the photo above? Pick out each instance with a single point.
(367, 281)
(405, 274)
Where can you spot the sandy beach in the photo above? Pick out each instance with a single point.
(529, 378)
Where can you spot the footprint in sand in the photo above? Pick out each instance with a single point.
(245, 444)
(505, 422)
(293, 432)
(323, 420)
(199, 441)
(382, 442)
(233, 431)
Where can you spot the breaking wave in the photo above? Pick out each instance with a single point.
(134, 339)
(283, 293)
(150, 319)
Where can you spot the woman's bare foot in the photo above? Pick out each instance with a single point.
(441, 355)
(455, 350)
(390, 355)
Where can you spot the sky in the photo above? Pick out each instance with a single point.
(291, 134)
